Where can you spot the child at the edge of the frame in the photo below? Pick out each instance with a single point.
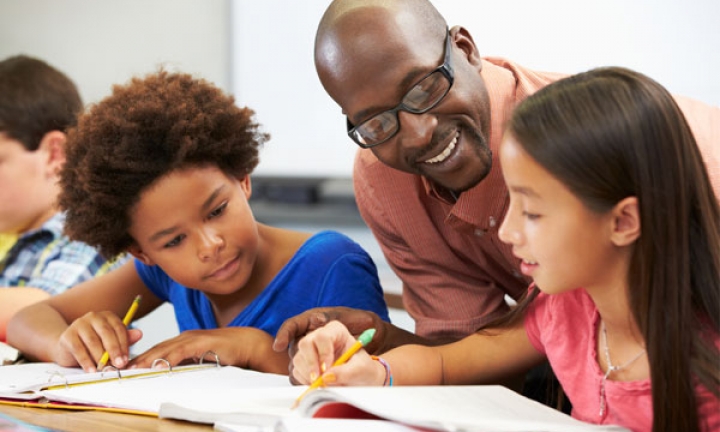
(161, 169)
(614, 217)
(38, 104)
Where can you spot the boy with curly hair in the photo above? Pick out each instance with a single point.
(161, 169)
(38, 103)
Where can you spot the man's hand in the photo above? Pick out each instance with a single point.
(355, 320)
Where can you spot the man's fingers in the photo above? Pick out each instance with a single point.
(298, 326)
(319, 319)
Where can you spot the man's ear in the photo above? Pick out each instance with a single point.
(52, 145)
(462, 39)
(135, 251)
(626, 222)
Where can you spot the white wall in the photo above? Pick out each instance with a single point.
(101, 43)
(262, 51)
(677, 42)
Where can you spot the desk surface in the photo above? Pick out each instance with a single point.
(93, 421)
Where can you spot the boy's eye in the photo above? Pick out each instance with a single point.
(174, 242)
(218, 211)
(531, 216)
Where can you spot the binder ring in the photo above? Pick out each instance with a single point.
(58, 374)
(155, 362)
(105, 369)
(217, 358)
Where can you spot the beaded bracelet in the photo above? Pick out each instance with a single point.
(388, 373)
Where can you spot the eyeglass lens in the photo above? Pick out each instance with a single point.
(421, 98)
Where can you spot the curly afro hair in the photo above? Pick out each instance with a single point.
(142, 132)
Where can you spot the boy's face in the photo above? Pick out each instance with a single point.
(196, 225)
(28, 185)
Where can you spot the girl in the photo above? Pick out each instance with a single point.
(613, 216)
(160, 169)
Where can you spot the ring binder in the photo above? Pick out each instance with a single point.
(28, 381)
(61, 376)
(102, 373)
(217, 358)
(155, 362)
(140, 391)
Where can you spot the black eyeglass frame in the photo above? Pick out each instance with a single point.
(445, 69)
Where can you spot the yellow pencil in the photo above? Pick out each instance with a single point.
(362, 341)
(126, 321)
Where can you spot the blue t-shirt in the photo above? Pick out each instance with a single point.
(329, 269)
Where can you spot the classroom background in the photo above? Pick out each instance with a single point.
(261, 51)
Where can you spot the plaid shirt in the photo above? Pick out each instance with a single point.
(46, 259)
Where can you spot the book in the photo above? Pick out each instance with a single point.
(487, 408)
(293, 424)
(431, 408)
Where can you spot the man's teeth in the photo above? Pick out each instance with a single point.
(445, 153)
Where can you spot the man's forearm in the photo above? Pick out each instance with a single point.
(396, 336)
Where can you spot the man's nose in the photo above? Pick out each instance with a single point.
(416, 130)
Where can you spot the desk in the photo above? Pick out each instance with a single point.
(93, 421)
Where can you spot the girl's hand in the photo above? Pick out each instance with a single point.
(245, 347)
(320, 348)
(85, 341)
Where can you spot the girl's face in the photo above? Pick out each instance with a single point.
(562, 244)
(196, 225)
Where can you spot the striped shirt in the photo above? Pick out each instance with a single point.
(44, 258)
(455, 270)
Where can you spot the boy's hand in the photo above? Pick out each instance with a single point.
(85, 341)
(245, 347)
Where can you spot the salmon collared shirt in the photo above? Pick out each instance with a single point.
(454, 269)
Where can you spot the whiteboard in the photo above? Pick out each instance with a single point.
(676, 42)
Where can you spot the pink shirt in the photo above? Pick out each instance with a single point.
(563, 327)
(455, 271)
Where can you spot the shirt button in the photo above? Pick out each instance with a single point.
(492, 221)
(479, 232)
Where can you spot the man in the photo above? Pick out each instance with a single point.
(429, 112)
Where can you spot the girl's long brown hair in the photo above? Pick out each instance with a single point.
(610, 133)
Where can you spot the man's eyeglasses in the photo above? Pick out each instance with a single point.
(422, 97)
